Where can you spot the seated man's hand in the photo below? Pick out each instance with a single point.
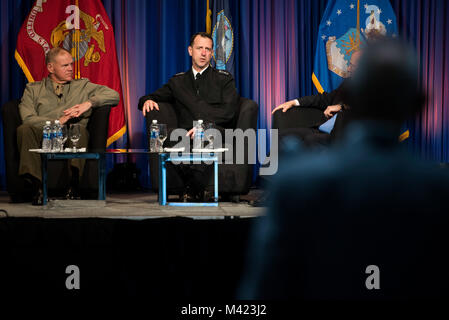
(149, 105)
(331, 110)
(191, 133)
(285, 106)
(64, 119)
(77, 109)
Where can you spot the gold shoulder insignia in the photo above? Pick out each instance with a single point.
(179, 74)
(224, 72)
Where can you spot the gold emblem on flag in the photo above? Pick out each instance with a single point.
(79, 41)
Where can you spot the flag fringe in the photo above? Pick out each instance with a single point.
(116, 136)
(317, 83)
(23, 66)
(404, 135)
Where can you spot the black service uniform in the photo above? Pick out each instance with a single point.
(213, 97)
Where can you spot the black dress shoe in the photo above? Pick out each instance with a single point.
(38, 198)
(262, 201)
(188, 197)
(72, 194)
(208, 196)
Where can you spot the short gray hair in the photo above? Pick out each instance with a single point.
(53, 53)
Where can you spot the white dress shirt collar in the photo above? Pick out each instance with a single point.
(200, 72)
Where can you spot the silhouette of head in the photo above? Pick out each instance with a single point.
(385, 85)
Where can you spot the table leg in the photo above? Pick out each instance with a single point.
(44, 159)
(101, 177)
(215, 181)
(162, 181)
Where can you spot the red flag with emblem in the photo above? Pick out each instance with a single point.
(83, 28)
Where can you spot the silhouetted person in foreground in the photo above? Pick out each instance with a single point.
(366, 220)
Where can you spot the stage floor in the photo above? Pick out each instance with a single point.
(138, 205)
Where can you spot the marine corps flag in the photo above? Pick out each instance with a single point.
(221, 29)
(83, 28)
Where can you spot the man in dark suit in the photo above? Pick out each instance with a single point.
(202, 92)
(365, 220)
(330, 103)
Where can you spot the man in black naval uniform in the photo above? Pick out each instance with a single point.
(202, 92)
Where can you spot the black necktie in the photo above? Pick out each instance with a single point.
(197, 83)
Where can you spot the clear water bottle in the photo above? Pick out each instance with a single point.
(154, 134)
(198, 138)
(56, 137)
(46, 137)
(52, 137)
(59, 137)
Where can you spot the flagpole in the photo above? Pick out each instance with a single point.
(208, 19)
(357, 32)
(78, 42)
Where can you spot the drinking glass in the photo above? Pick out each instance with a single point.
(162, 136)
(63, 137)
(74, 134)
(209, 129)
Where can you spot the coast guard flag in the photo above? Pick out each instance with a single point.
(346, 25)
(83, 28)
(223, 34)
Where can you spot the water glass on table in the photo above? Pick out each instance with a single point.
(63, 137)
(162, 136)
(74, 134)
(209, 130)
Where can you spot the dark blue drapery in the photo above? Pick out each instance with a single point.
(274, 57)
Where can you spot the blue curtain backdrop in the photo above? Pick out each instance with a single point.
(425, 25)
(274, 57)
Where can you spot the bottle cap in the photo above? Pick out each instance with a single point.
(56, 121)
(200, 121)
(155, 121)
(47, 122)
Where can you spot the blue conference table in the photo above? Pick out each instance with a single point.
(193, 158)
(99, 155)
(164, 157)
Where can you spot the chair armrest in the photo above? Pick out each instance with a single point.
(297, 117)
(166, 114)
(248, 112)
(98, 127)
(11, 114)
(11, 121)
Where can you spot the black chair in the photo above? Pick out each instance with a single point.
(58, 178)
(297, 118)
(233, 179)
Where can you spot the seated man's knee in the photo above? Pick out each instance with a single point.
(24, 127)
(26, 130)
(317, 140)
